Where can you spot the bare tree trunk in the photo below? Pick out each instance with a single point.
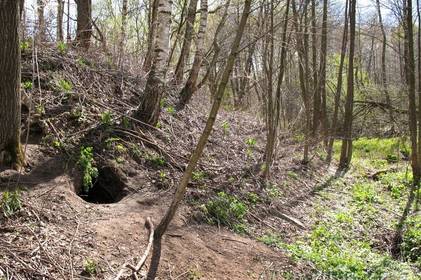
(191, 84)
(302, 42)
(384, 74)
(410, 83)
(68, 35)
(188, 35)
(10, 119)
(40, 37)
(149, 108)
(122, 35)
(346, 149)
(338, 93)
(181, 189)
(271, 137)
(177, 34)
(316, 91)
(216, 48)
(322, 80)
(84, 23)
(60, 14)
(152, 23)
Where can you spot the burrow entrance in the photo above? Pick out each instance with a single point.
(109, 187)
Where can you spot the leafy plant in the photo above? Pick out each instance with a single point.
(364, 193)
(11, 203)
(28, 85)
(62, 47)
(107, 118)
(292, 175)
(198, 175)
(411, 239)
(271, 239)
(253, 198)
(226, 210)
(25, 45)
(90, 267)
(251, 143)
(273, 191)
(162, 175)
(125, 122)
(65, 85)
(86, 161)
(156, 160)
(226, 127)
(57, 144)
(170, 110)
(40, 109)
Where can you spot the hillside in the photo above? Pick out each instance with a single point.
(307, 222)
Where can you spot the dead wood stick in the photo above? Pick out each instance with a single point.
(375, 175)
(138, 267)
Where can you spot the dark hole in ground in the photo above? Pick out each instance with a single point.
(109, 187)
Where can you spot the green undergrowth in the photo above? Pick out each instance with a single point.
(227, 210)
(355, 214)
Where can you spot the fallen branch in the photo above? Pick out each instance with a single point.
(138, 267)
(375, 175)
(287, 218)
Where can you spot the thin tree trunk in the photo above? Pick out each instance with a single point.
(149, 108)
(271, 137)
(181, 189)
(410, 83)
(84, 23)
(346, 149)
(338, 93)
(60, 14)
(177, 34)
(68, 35)
(122, 35)
(316, 95)
(152, 23)
(188, 36)
(384, 73)
(191, 84)
(10, 119)
(216, 48)
(322, 80)
(40, 38)
(302, 42)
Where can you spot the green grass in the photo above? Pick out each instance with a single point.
(389, 149)
(342, 243)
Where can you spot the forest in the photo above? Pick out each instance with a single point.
(221, 139)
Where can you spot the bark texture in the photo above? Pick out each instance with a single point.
(84, 23)
(191, 84)
(346, 149)
(188, 35)
(149, 108)
(60, 14)
(10, 120)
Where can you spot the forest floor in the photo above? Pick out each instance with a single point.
(308, 222)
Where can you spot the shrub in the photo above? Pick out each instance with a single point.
(226, 210)
(107, 118)
(28, 85)
(10, 203)
(90, 267)
(62, 47)
(86, 161)
(364, 193)
(65, 85)
(411, 239)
